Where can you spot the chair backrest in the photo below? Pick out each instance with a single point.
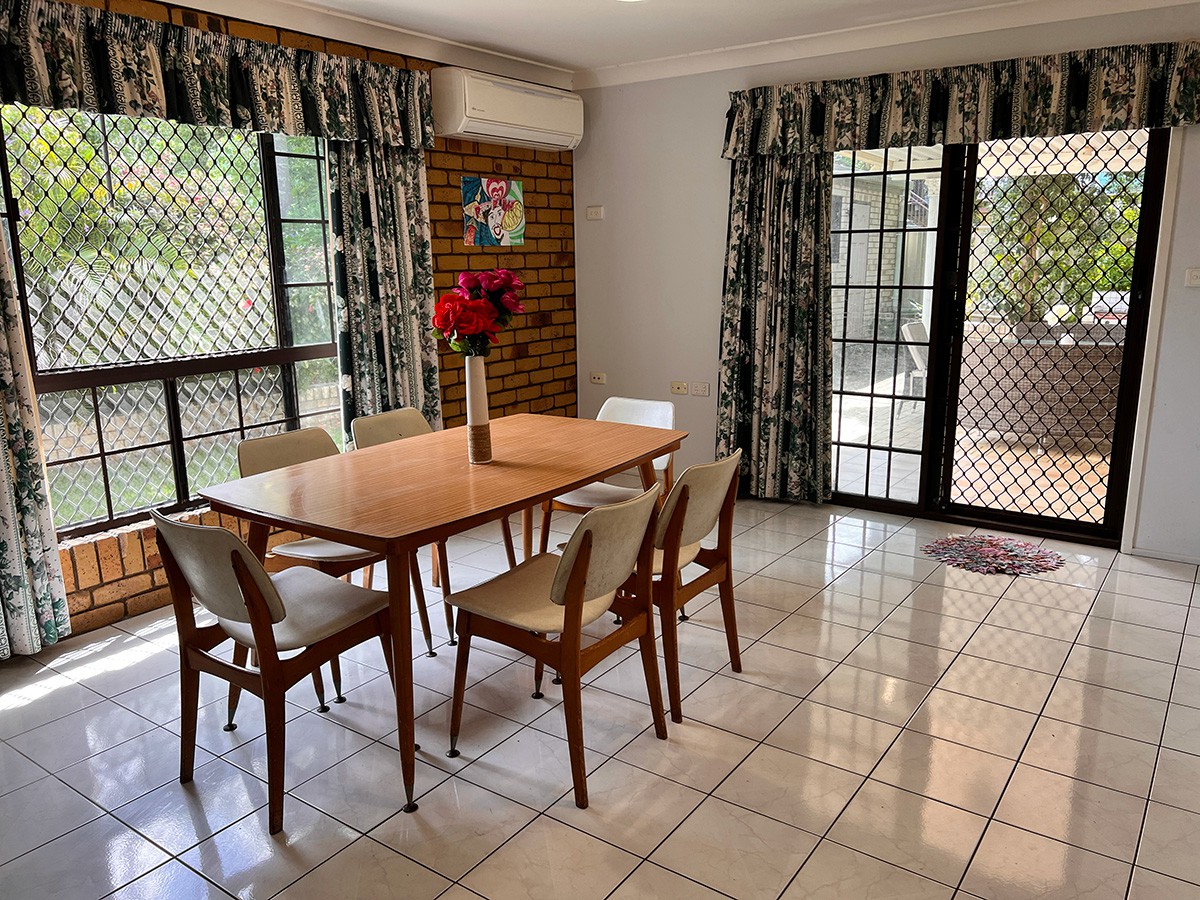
(707, 486)
(617, 534)
(264, 454)
(631, 411)
(204, 554)
(918, 349)
(385, 427)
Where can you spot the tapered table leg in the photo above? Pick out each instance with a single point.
(400, 607)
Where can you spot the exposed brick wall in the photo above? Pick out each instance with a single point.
(118, 574)
(533, 367)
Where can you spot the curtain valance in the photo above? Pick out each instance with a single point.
(61, 56)
(1106, 89)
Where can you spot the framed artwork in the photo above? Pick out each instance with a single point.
(493, 212)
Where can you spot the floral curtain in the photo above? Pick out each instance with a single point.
(383, 262)
(63, 56)
(775, 383)
(34, 610)
(775, 395)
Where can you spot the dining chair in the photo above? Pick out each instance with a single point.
(606, 564)
(629, 411)
(298, 609)
(702, 498)
(395, 425)
(275, 451)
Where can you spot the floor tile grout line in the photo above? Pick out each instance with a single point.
(892, 743)
(1158, 751)
(1017, 762)
(710, 676)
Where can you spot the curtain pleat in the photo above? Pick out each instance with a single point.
(775, 392)
(34, 611)
(1105, 89)
(63, 56)
(383, 263)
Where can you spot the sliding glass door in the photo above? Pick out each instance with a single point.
(989, 308)
(884, 232)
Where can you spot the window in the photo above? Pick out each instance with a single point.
(177, 295)
(883, 235)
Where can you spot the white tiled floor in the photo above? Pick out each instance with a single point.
(899, 730)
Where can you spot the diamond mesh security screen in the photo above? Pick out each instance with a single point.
(1049, 282)
(141, 239)
(151, 252)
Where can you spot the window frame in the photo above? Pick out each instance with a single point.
(285, 355)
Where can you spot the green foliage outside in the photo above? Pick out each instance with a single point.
(1044, 244)
(140, 239)
(147, 240)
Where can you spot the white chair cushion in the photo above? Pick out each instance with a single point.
(521, 597)
(599, 493)
(321, 550)
(686, 555)
(317, 605)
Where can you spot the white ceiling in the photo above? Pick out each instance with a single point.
(594, 42)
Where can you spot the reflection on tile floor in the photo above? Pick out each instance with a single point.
(899, 729)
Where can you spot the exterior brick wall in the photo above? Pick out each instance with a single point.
(119, 573)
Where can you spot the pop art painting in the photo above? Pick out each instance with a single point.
(493, 212)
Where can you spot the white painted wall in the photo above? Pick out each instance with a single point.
(1167, 516)
(649, 274)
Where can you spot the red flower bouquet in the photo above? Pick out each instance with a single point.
(471, 316)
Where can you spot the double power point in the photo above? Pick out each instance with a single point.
(697, 388)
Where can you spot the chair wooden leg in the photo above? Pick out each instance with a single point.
(729, 614)
(547, 515)
(273, 705)
(510, 549)
(369, 577)
(671, 653)
(444, 566)
(460, 680)
(189, 700)
(319, 687)
(435, 552)
(235, 693)
(335, 672)
(653, 688)
(419, 599)
(573, 710)
(539, 670)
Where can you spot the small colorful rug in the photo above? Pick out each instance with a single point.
(990, 554)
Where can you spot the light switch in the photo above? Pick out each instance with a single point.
(1191, 278)
(699, 388)
(595, 213)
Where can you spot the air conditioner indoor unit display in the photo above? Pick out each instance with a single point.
(499, 110)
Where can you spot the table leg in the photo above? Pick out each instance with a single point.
(649, 479)
(400, 608)
(257, 540)
(527, 531)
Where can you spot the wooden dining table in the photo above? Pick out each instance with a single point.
(396, 497)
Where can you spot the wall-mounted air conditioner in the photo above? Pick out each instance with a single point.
(499, 110)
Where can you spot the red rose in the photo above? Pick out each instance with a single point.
(456, 316)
